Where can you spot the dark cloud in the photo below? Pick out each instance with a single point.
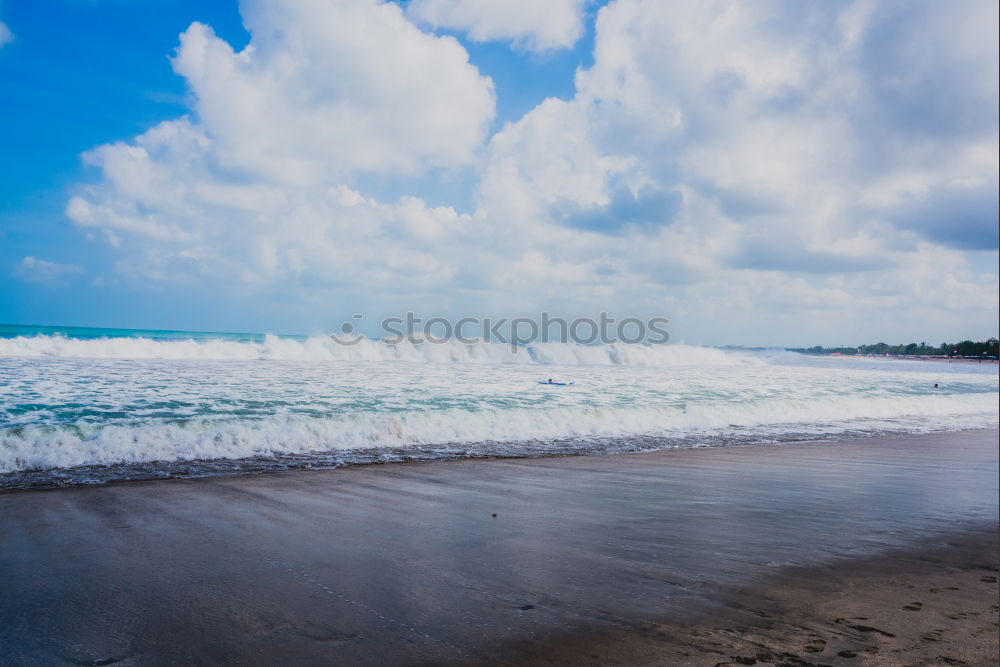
(647, 209)
(723, 85)
(770, 254)
(734, 204)
(918, 86)
(925, 78)
(966, 219)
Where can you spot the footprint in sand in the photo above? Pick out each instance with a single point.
(932, 636)
(989, 579)
(815, 646)
(913, 606)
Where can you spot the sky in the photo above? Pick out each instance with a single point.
(759, 172)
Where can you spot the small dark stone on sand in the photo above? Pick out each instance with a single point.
(526, 607)
(494, 515)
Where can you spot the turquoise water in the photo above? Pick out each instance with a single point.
(80, 405)
(90, 333)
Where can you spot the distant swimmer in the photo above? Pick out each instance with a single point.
(935, 385)
(554, 383)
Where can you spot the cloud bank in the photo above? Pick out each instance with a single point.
(815, 164)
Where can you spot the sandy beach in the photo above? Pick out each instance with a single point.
(951, 360)
(865, 551)
(931, 604)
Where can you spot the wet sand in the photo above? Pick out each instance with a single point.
(931, 604)
(869, 551)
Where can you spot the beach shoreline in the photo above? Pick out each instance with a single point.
(937, 358)
(93, 476)
(632, 558)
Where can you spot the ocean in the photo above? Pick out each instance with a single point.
(90, 406)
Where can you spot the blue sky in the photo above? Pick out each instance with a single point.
(761, 173)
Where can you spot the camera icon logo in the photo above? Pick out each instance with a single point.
(347, 335)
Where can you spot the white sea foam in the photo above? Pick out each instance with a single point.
(172, 405)
(321, 348)
(42, 446)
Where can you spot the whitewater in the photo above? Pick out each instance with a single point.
(80, 410)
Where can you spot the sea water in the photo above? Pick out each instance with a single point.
(84, 406)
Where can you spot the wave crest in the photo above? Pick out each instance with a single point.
(65, 446)
(320, 348)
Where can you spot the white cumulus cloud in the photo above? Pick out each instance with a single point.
(328, 88)
(786, 128)
(529, 24)
(811, 166)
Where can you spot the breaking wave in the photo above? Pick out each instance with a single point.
(320, 348)
(64, 446)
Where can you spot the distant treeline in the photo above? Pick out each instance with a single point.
(965, 348)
